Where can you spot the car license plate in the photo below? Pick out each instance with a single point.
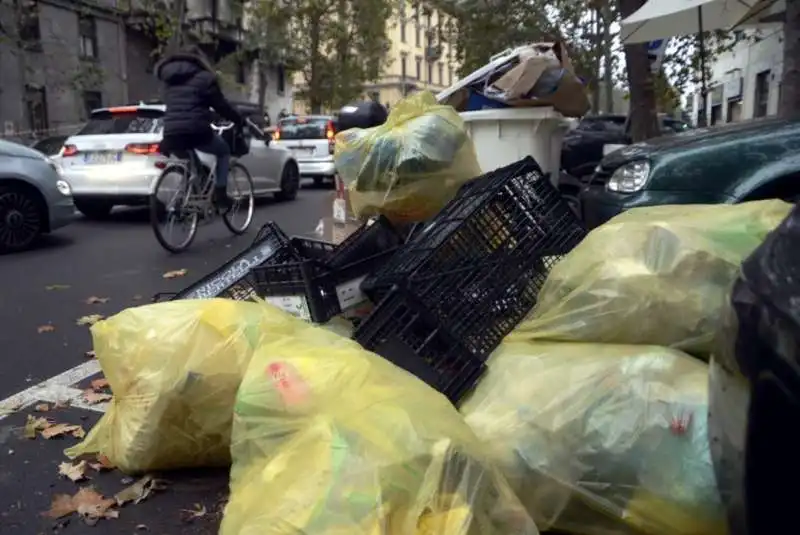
(302, 151)
(100, 158)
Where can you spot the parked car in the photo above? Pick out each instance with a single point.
(731, 163)
(34, 197)
(114, 160)
(310, 138)
(50, 146)
(583, 145)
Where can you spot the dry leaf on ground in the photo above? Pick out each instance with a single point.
(93, 398)
(199, 511)
(75, 472)
(52, 287)
(102, 463)
(58, 430)
(94, 300)
(45, 329)
(99, 384)
(174, 274)
(90, 354)
(87, 502)
(139, 491)
(91, 319)
(42, 407)
(34, 424)
(62, 404)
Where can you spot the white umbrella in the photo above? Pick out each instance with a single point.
(660, 19)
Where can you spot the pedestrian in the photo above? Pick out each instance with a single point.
(283, 114)
(267, 119)
(191, 90)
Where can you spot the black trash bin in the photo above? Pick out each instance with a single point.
(365, 114)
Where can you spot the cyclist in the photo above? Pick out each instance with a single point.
(191, 89)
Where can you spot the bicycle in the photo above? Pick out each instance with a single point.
(192, 199)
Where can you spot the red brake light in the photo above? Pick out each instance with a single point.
(276, 135)
(330, 131)
(142, 148)
(69, 150)
(124, 109)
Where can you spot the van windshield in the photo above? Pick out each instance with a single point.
(304, 127)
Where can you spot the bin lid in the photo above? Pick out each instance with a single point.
(531, 113)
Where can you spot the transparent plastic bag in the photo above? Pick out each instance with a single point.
(599, 439)
(656, 276)
(174, 369)
(409, 167)
(329, 439)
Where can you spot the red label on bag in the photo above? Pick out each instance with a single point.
(288, 382)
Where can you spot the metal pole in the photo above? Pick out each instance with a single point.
(702, 112)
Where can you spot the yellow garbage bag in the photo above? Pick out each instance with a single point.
(174, 369)
(329, 439)
(656, 276)
(598, 439)
(409, 167)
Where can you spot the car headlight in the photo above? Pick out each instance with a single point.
(64, 187)
(630, 177)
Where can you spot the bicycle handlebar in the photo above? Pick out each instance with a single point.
(254, 128)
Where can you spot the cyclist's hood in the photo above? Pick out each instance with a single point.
(179, 68)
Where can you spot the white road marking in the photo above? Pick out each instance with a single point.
(54, 390)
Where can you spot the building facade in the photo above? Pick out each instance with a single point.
(63, 58)
(746, 81)
(422, 55)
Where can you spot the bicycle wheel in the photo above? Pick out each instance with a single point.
(170, 209)
(240, 188)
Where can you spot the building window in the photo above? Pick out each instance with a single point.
(28, 28)
(281, 80)
(87, 31)
(430, 72)
(440, 68)
(92, 100)
(450, 75)
(403, 66)
(36, 108)
(734, 111)
(417, 32)
(762, 94)
(716, 114)
(419, 68)
(403, 21)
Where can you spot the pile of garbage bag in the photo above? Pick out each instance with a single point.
(409, 167)
(591, 419)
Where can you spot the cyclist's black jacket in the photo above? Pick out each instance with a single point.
(191, 89)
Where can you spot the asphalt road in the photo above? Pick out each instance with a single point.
(44, 293)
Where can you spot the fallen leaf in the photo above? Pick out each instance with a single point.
(93, 398)
(57, 287)
(92, 506)
(34, 424)
(94, 300)
(45, 329)
(62, 404)
(91, 319)
(62, 506)
(90, 355)
(42, 407)
(99, 384)
(57, 430)
(139, 491)
(102, 463)
(10, 409)
(174, 274)
(199, 511)
(75, 472)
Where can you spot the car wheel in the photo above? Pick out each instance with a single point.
(290, 183)
(21, 219)
(94, 209)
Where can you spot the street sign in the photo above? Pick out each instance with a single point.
(655, 52)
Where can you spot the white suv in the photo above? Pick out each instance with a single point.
(310, 138)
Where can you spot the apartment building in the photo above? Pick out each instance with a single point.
(746, 81)
(422, 55)
(76, 56)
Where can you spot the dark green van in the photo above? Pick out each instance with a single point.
(758, 159)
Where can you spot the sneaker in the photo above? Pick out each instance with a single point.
(221, 200)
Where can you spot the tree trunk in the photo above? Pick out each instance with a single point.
(313, 82)
(789, 105)
(640, 83)
(261, 82)
(176, 38)
(596, 90)
(608, 66)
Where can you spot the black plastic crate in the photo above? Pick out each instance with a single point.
(401, 330)
(479, 264)
(233, 280)
(376, 237)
